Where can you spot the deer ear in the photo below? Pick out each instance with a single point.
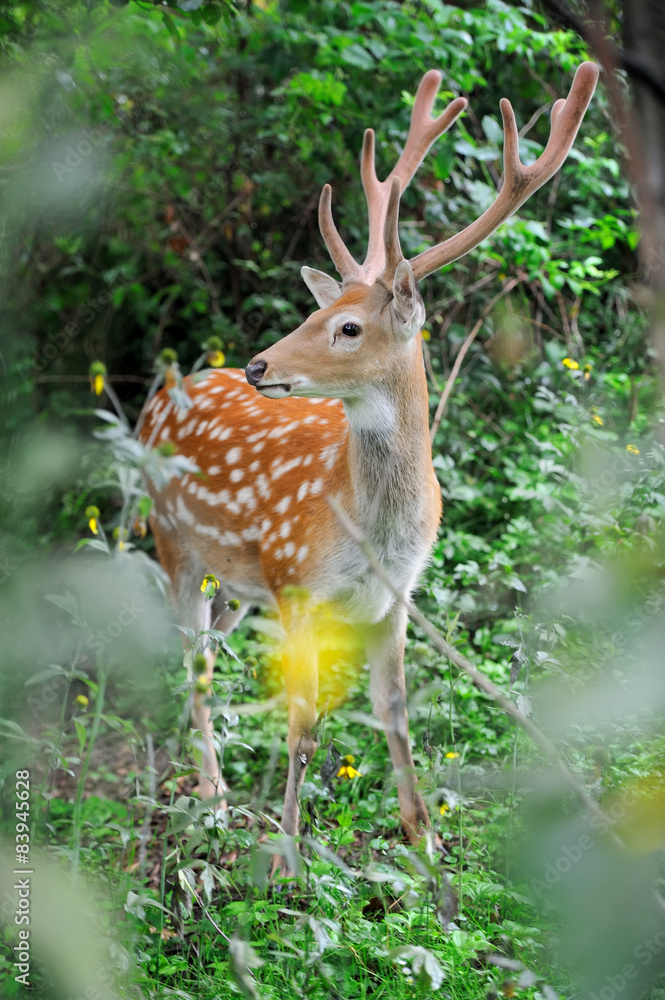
(324, 288)
(407, 303)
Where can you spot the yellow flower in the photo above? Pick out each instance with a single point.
(570, 363)
(210, 585)
(632, 449)
(119, 534)
(451, 756)
(587, 372)
(167, 363)
(426, 335)
(97, 373)
(216, 359)
(92, 513)
(202, 684)
(444, 808)
(82, 701)
(140, 527)
(598, 420)
(346, 770)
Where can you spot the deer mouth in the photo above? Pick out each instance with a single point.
(277, 390)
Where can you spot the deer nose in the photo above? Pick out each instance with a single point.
(255, 371)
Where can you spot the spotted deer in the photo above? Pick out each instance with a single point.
(338, 408)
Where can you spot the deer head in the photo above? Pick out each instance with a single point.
(365, 327)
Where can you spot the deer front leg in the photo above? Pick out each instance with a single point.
(385, 653)
(300, 665)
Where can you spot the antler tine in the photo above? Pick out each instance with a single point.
(423, 131)
(393, 250)
(348, 269)
(519, 182)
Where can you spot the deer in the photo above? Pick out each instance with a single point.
(334, 416)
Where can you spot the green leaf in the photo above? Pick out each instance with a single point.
(81, 733)
(170, 24)
(355, 55)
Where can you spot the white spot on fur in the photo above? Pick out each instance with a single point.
(233, 455)
(251, 534)
(236, 475)
(302, 490)
(263, 486)
(285, 529)
(230, 538)
(184, 514)
(283, 429)
(283, 505)
(302, 552)
(186, 429)
(289, 549)
(246, 498)
(280, 470)
(329, 454)
(207, 530)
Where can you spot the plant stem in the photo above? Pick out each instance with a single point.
(94, 732)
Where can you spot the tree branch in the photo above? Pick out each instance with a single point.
(623, 58)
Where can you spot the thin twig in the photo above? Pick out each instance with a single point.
(478, 680)
(461, 354)
(86, 378)
(428, 365)
(534, 118)
(144, 835)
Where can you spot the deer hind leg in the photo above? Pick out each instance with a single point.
(210, 781)
(385, 653)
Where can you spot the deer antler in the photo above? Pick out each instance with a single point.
(423, 131)
(519, 182)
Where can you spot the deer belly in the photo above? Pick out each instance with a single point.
(357, 592)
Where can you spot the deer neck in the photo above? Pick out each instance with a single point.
(388, 456)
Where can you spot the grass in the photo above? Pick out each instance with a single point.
(367, 916)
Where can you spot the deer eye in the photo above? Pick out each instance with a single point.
(350, 330)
